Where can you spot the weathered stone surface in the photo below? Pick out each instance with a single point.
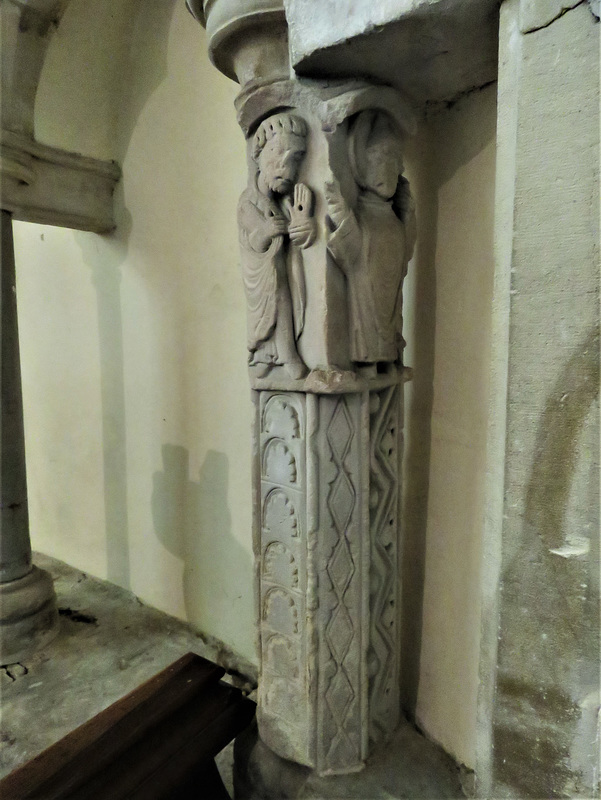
(326, 528)
(545, 708)
(432, 50)
(326, 232)
(28, 615)
(537, 14)
(248, 41)
(53, 187)
(327, 228)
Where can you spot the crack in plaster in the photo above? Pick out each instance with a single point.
(591, 6)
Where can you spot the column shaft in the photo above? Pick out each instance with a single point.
(28, 614)
(15, 549)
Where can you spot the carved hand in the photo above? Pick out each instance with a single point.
(276, 226)
(302, 225)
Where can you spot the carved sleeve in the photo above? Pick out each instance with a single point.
(344, 238)
(345, 242)
(254, 231)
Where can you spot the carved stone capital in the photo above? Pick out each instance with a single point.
(326, 231)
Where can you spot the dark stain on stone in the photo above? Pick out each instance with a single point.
(533, 765)
(567, 407)
(76, 616)
(7, 739)
(549, 626)
(549, 704)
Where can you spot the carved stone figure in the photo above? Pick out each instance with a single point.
(372, 240)
(275, 218)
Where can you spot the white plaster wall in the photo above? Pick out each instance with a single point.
(133, 345)
(448, 322)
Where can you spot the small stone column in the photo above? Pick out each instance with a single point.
(326, 228)
(28, 614)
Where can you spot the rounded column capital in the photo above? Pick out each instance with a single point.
(248, 39)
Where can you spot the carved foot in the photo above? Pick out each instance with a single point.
(296, 369)
(260, 370)
(331, 379)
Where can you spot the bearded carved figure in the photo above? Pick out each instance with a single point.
(275, 222)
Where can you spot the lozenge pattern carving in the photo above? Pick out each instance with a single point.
(340, 592)
(382, 658)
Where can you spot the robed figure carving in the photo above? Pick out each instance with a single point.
(372, 239)
(275, 220)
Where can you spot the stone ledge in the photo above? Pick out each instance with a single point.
(108, 644)
(54, 187)
(431, 50)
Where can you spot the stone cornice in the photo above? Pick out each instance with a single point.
(51, 186)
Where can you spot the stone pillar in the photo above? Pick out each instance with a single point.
(326, 228)
(539, 710)
(28, 615)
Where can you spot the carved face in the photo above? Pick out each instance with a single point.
(382, 167)
(279, 162)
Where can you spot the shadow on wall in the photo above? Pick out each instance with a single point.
(418, 427)
(193, 522)
(150, 37)
(445, 143)
(105, 256)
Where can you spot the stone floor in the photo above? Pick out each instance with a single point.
(110, 643)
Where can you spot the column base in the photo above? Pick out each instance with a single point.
(28, 615)
(408, 766)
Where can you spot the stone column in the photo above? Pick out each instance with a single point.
(326, 229)
(28, 614)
